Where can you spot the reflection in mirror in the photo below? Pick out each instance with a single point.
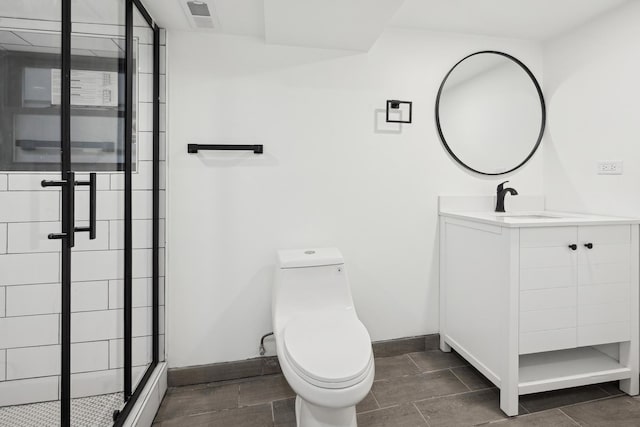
(490, 113)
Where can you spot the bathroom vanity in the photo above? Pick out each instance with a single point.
(539, 300)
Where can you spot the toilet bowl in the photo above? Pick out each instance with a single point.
(323, 348)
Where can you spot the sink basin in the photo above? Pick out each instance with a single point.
(528, 216)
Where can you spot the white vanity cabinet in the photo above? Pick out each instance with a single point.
(537, 303)
(574, 298)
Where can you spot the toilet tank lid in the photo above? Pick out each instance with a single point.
(309, 257)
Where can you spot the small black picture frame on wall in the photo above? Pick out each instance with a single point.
(393, 104)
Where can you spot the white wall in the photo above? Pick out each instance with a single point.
(327, 178)
(593, 94)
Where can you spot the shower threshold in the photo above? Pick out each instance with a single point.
(85, 411)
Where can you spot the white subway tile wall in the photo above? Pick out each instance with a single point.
(145, 150)
(97, 265)
(141, 234)
(3, 238)
(141, 352)
(24, 269)
(89, 296)
(97, 325)
(30, 271)
(3, 364)
(28, 331)
(21, 206)
(26, 237)
(33, 362)
(97, 382)
(31, 182)
(141, 293)
(27, 300)
(31, 390)
(89, 356)
(141, 180)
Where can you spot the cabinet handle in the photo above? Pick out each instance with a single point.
(588, 245)
(573, 247)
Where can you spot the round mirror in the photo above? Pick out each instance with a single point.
(490, 113)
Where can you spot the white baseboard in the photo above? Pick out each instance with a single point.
(147, 405)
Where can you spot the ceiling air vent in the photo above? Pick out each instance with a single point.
(199, 14)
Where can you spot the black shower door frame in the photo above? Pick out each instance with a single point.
(67, 185)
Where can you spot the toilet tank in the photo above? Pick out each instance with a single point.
(307, 280)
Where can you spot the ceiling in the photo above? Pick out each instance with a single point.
(239, 17)
(333, 24)
(356, 24)
(110, 12)
(526, 19)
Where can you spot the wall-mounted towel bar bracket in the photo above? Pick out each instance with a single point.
(194, 148)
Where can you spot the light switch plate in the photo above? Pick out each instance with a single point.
(613, 167)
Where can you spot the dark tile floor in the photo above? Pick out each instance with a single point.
(429, 388)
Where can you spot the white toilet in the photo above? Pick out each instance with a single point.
(323, 348)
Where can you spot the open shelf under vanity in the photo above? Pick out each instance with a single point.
(574, 367)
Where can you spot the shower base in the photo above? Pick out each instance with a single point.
(86, 411)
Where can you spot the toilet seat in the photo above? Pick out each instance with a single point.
(329, 348)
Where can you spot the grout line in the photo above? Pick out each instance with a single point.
(76, 311)
(238, 395)
(443, 396)
(423, 417)
(444, 369)
(460, 379)
(14, 32)
(379, 409)
(414, 362)
(75, 252)
(592, 400)
(77, 342)
(599, 385)
(571, 419)
(375, 398)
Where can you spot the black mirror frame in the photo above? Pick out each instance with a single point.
(542, 106)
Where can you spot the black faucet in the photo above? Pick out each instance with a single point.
(501, 192)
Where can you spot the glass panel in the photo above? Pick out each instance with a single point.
(97, 145)
(30, 117)
(97, 85)
(142, 198)
(30, 39)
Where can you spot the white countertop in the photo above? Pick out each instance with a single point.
(538, 218)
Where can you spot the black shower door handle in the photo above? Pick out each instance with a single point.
(92, 206)
(68, 207)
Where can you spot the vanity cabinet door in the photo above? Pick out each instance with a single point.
(604, 268)
(548, 289)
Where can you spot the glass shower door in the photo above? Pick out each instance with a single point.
(78, 139)
(99, 141)
(142, 196)
(30, 262)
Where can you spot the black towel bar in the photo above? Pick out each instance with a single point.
(194, 148)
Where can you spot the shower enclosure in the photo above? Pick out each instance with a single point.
(80, 227)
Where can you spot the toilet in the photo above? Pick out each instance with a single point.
(324, 350)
